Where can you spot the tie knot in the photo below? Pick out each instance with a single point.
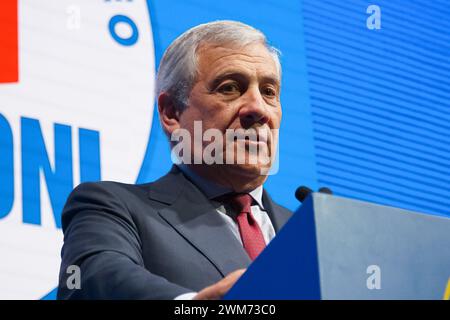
(240, 202)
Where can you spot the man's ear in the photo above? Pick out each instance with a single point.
(168, 113)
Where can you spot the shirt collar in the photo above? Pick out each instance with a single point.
(213, 190)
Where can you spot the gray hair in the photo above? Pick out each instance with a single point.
(178, 67)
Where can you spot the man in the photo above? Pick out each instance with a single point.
(192, 233)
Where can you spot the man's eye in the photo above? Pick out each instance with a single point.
(229, 88)
(268, 91)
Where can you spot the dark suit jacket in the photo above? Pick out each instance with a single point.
(148, 241)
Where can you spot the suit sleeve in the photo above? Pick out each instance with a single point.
(100, 238)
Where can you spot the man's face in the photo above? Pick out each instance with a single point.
(236, 88)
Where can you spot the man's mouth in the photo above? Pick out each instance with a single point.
(252, 135)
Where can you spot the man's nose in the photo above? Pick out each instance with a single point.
(254, 109)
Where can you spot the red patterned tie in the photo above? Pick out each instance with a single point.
(251, 235)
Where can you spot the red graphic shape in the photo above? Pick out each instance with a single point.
(9, 47)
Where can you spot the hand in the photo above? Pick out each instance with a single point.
(220, 288)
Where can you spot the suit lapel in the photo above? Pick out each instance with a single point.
(193, 216)
(277, 216)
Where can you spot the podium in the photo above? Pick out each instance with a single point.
(338, 248)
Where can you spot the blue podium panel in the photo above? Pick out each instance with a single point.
(337, 248)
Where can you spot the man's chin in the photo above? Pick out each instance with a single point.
(250, 170)
(243, 177)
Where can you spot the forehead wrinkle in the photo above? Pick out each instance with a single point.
(215, 57)
(239, 68)
(232, 72)
(244, 58)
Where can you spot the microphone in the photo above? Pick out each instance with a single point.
(325, 190)
(302, 193)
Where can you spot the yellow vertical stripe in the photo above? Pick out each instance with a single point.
(447, 291)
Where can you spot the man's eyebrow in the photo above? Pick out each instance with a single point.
(227, 75)
(270, 78)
